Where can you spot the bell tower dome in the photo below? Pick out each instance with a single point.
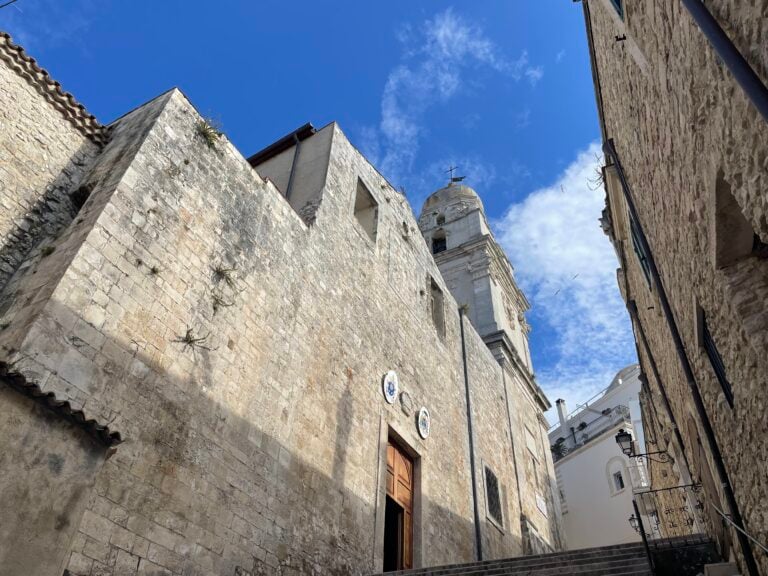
(476, 269)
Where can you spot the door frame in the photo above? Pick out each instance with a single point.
(405, 440)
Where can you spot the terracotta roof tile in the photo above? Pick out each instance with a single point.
(26, 67)
(48, 399)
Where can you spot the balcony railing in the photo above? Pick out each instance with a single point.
(582, 431)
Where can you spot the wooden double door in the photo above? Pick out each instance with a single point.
(398, 523)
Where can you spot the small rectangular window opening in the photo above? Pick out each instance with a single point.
(366, 210)
(716, 360)
(619, 6)
(534, 464)
(437, 305)
(438, 244)
(493, 496)
(618, 481)
(642, 257)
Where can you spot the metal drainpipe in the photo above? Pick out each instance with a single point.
(709, 433)
(655, 369)
(295, 160)
(742, 72)
(478, 536)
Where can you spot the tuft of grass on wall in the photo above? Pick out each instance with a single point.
(209, 131)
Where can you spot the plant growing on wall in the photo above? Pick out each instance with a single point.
(226, 275)
(219, 302)
(191, 341)
(209, 131)
(558, 448)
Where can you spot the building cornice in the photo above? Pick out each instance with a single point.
(499, 341)
(497, 259)
(28, 69)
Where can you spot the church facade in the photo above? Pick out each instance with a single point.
(219, 365)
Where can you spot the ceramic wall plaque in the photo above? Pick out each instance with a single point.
(390, 386)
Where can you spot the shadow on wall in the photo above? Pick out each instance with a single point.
(40, 226)
(47, 469)
(197, 489)
(47, 215)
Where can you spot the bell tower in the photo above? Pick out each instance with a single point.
(476, 269)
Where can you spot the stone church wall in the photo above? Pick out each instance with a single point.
(682, 127)
(240, 355)
(42, 158)
(47, 470)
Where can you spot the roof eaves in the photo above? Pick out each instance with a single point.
(27, 67)
(18, 382)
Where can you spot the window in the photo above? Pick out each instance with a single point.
(438, 242)
(614, 475)
(618, 482)
(440, 220)
(530, 442)
(734, 237)
(619, 6)
(535, 467)
(493, 497)
(437, 303)
(642, 257)
(366, 210)
(708, 343)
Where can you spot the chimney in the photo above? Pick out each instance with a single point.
(562, 412)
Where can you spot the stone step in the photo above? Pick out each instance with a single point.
(571, 557)
(559, 569)
(537, 564)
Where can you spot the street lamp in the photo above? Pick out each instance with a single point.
(624, 440)
(634, 523)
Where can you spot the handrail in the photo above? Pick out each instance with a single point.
(742, 72)
(641, 529)
(731, 522)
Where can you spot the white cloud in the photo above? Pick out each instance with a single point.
(46, 24)
(436, 57)
(567, 267)
(559, 56)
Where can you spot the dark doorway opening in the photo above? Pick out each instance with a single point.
(393, 536)
(398, 514)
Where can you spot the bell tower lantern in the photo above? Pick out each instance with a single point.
(476, 269)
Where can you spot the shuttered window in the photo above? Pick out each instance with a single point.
(642, 257)
(493, 496)
(619, 5)
(716, 360)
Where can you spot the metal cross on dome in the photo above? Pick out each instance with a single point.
(451, 170)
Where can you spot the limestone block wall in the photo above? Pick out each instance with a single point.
(240, 353)
(492, 427)
(678, 120)
(42, 158)
(47, 469)
(534, 462)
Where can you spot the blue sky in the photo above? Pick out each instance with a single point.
(501, 88)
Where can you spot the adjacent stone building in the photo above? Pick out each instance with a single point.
(683, 104)
(218, 366)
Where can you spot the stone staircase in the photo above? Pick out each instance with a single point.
(619, 560)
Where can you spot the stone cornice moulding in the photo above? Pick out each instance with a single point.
(74, 112)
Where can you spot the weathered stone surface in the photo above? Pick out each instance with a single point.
(687, 137)
(47, 469)
(239, 351)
